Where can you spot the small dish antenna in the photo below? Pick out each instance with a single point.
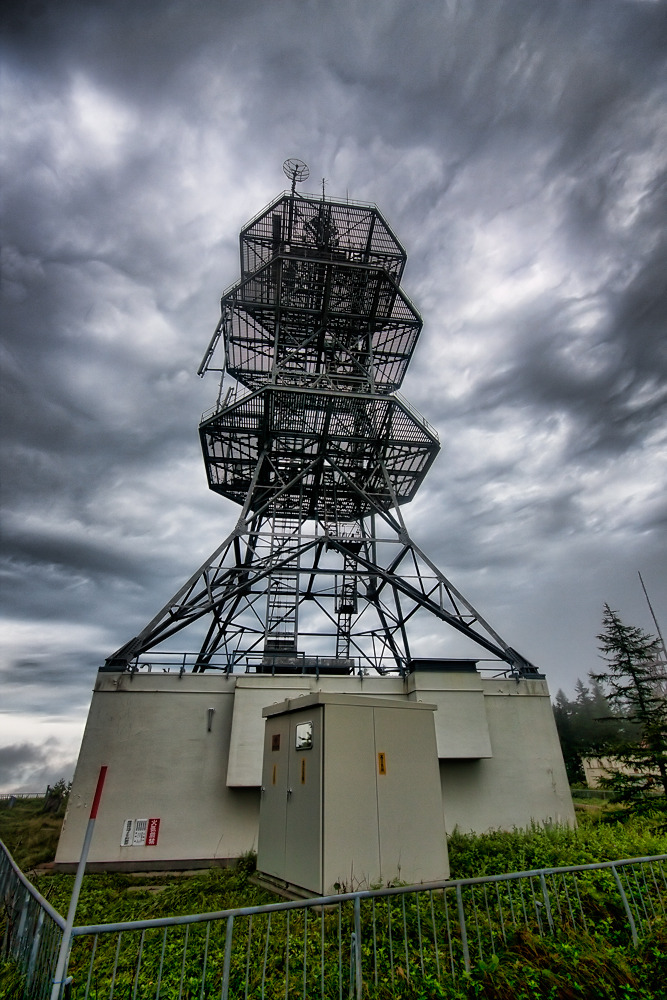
(296, 170)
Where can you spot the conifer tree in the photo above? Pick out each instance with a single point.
(564, 715)
(588, 727)
(638, 774)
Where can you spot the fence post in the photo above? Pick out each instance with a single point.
(24, 915)
(631, 919)
(357, 945)
(547, 901)
(35, 947)
(228, 958)
(462, 925)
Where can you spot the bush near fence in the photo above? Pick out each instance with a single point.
(397, 942)
(409, 944)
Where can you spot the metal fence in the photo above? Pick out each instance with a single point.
(31, 929)
(10, 796)
(382, 942)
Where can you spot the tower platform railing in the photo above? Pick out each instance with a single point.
(298, 663)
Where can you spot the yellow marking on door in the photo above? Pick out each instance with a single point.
(303, 770)
(382, 764)
(273, 780)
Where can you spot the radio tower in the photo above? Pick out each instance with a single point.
(314, 444)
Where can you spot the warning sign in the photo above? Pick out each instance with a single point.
(152, 832)
(140, 832)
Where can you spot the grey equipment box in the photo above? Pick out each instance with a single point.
(351, 795)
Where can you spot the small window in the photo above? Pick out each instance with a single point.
(275, 741)
(304, 736)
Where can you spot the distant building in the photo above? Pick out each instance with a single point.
(597, 768)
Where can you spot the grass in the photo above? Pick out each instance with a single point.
(590, 965)
(31, 831)
(12, 981)
(553, 847)
(571, 967)
(597, 964)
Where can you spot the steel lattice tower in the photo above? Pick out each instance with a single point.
(319, 450)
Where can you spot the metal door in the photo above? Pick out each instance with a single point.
(273, 807)
(303, 828)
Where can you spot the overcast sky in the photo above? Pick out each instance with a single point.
(517, 148)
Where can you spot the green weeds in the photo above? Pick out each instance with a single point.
(30, 829)
(582, 964)
(553, 847)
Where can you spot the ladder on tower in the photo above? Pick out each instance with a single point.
(346, 584)
(282, 593)
(346, 604)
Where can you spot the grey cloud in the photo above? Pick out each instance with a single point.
(29, 760)
(20, 752)
(53, 668)
(612, 384)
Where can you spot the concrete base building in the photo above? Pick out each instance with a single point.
(184, 755)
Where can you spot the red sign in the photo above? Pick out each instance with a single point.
(152, 832)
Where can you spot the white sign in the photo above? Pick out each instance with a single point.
(140, 827)
(140, 832)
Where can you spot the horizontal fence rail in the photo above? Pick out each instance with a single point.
(382, 941)
(15, 796)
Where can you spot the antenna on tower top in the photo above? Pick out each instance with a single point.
(296, 170)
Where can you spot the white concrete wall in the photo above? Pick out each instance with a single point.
(524, 781)
(151, 730)
(461, 725)
(256, 691)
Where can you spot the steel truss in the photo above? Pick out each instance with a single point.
(366, 588)
(320, 453)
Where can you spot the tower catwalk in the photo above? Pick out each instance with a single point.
(320, 452)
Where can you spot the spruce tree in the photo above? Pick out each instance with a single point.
(567, 733)
(588, 727)
(638, 770)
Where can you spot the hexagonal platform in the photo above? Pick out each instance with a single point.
(321, 451)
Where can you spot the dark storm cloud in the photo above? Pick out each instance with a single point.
(25, 752)
(517, 148)
(39, 765)
(611, 383)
